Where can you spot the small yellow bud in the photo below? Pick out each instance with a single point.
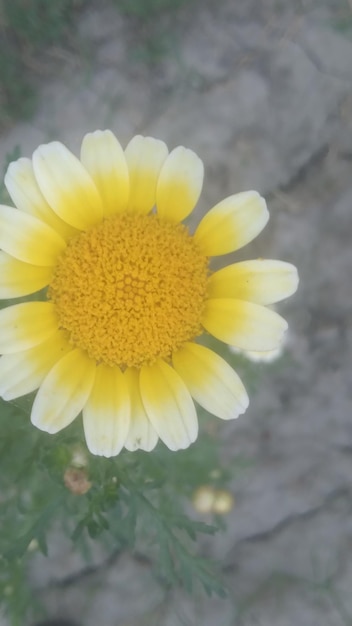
(203, 499)
(223, 502)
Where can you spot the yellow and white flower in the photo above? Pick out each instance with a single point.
(128, 292)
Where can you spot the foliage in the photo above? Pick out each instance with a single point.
(27, 28)
(37, 22)
(136, 501)
(31, 27)
(153, 23)
(147, 9)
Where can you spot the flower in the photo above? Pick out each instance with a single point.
(128, 291)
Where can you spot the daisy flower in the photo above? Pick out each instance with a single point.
(128, 291)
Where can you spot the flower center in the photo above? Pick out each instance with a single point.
(131, 289)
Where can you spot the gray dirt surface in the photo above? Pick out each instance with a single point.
(264, 95)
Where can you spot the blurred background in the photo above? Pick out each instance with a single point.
(262, 91)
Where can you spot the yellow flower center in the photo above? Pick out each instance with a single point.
(131, 289)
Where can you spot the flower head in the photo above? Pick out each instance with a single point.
(128, 291)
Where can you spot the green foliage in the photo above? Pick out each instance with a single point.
(153, 25)
(17, 95)
(147, 9)
(27, 27)
(343, 25)
(340, 18)
(136, 501)
(38, 22)
(153, 46)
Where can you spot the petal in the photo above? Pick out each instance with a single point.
(144, 156)
(267, 356)
(141, 434)
(24, 372)
(19, 279)
(67, 186)
(28, 239)
(232, 223)
(169, 405)
(104, 159)
(179, 185)
(23, 188)
(25, 325)
(211, 381)
(64, 392)
(262, 281)
(243, 324)
(106, 414)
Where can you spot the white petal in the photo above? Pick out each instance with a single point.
(243, 324)
(23, 372)
(261, 281)
(25, 325)
(20, 279)
(179, 184)
(211, 381)
(168, 405)
(141, 434)
(67, 186)
(104, 159)
(64, 392)
(23, 188)
(106, 414)
(232, 223)
(144, 156)
(29, 239)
